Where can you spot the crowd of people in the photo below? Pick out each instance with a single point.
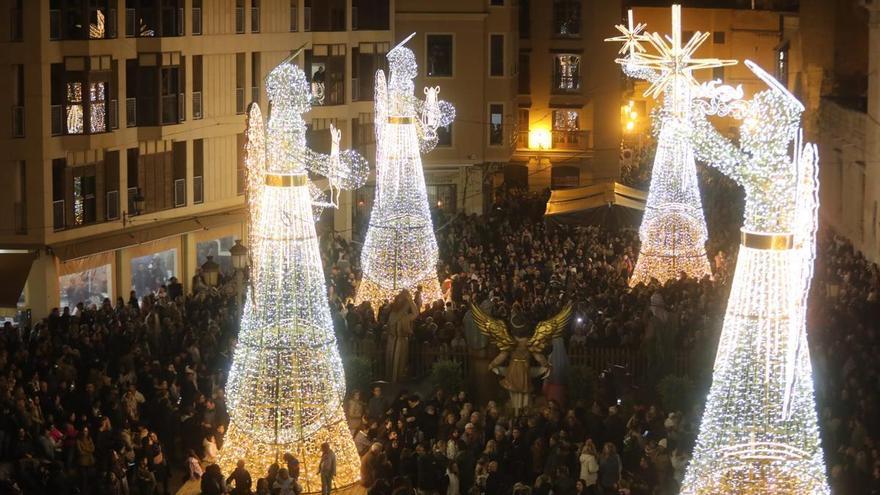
(127, 398)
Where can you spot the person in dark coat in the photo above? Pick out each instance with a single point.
(241, 478)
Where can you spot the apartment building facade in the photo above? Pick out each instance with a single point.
(123, 126)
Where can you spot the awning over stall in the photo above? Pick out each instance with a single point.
(607, 203)
(15, 265)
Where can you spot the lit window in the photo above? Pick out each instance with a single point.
(98, 107)
(74, 108)
(496, 124)
(439, 55)
(567, 18)
(567, 72)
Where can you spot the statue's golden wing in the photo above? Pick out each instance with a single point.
(550, 328)
(493, 328)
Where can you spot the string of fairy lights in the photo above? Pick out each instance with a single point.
(400, 249)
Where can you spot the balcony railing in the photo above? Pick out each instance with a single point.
(19, 211)
(112, 210)
(170, 109)
(114, 114)
(197, 20)
(239, 100)
(198, 189)
(18, 121)
(130, 112)
(560, 140)
(239, 20)
(197, 105)
(255, 19)
(179, 193)
(57, 120)
(58, 215)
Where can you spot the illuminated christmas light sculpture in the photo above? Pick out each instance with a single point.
(400, 250)
(673, 230)
(286, 383)
(759, 432)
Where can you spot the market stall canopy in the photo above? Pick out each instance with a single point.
(15, 265)
(608, 204)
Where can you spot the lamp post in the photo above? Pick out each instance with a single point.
(239, 262)
(211, 271)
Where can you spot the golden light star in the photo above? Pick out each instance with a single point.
(673, 59)
(630, 35)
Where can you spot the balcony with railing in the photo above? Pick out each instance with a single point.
(197, 105)
(57, 117)
(239, 100)
(58, 215)
(18, 121)
(574, 140)
(130, 112)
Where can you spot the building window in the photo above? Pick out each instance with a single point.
(718, 73)
(522, 131)
(255, 16)
(16, 20)
(369, 58)
(439, 55)
(496, 124)
(444, 136)
(239, 83)
(89, 286)
(524, 76)
(239, 16)
(150, 272)
(219, 249)
(196, 17)
(324, 15)
(79, 20)
(370, 15)
(18, 100)
(81, 94)
(566, 129)
(198, 171)
(496, 3)
(718, 37)
(567, 18)
(294, 16)
(496, 55)
(566, 73)
(150, 18)
(325, 64)
(154, 83)
(442, 196)
(525, 21)
(84, 211)
(782, 65)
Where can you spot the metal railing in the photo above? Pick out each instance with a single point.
(198, 189)
(131, 112)
(114, 114)
(255, 19)
(58, 215)
(57, 117)
(239, 100)
(239, 20)
(170, 109)
(112, 210)
(197, 21)
(179, 193)
(54, 25)
(18, 121)
(560, 140)
(197, 105)
(181, 107)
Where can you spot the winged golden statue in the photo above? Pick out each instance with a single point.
(518, 349)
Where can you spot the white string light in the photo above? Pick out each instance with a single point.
(286, 383)
(400, 250)
(759, 432)
(673, 231)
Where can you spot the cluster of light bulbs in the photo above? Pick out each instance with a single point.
(286, 383)
(400, 250)
(759, 432)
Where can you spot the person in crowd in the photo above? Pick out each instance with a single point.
(327, 468)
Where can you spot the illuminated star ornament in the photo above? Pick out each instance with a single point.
(400, 250)
(630, 35)
(286, 383)
(673, 61)
(673, 231)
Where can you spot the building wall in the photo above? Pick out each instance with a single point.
(219, 128)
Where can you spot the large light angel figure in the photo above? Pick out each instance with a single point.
(759, 432)
(400, 250)
(673, 231)
(286, 383)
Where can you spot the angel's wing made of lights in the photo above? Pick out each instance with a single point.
(380, 105)
(350, 171)
(493, 328)
(255, 167)
(550, 328)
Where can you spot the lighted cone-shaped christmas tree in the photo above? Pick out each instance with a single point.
(286, 384)
(673, 231)
(400, 250)
(759, 432)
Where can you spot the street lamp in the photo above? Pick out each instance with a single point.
(211, 271)
(239, 255)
